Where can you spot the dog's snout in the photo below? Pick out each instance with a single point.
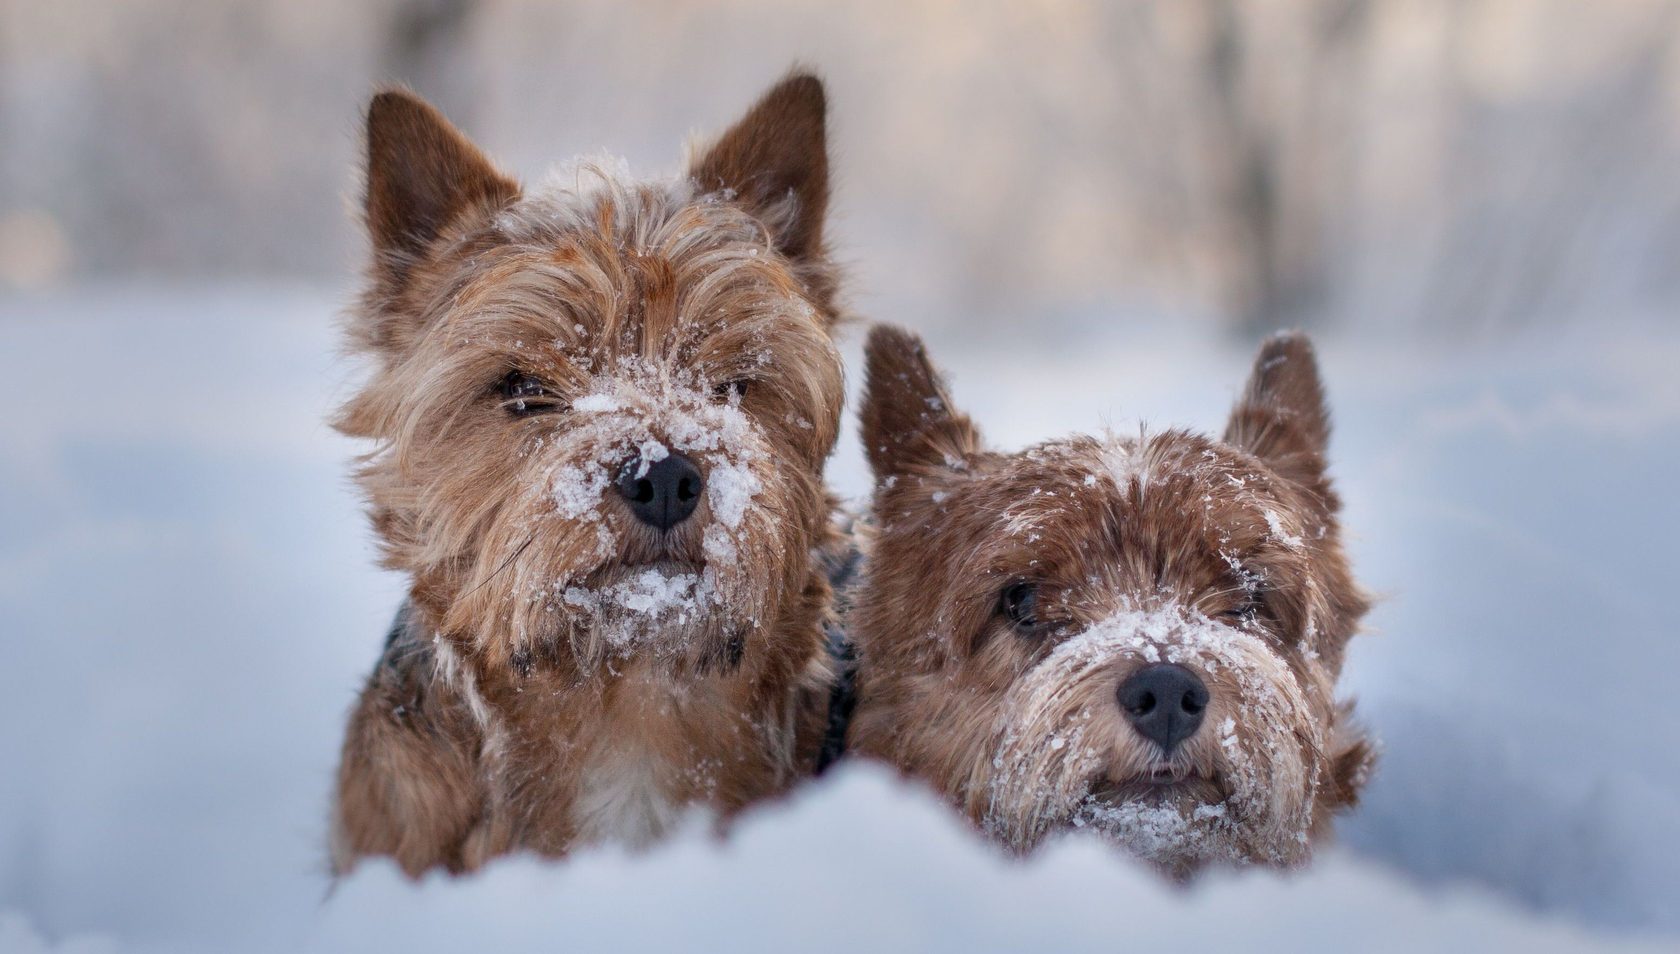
(1164, 703)
(664, 493)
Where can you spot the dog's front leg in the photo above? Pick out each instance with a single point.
(408, 781)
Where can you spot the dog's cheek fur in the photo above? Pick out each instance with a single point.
(955, 712)
(934, 668)
(1353, 760)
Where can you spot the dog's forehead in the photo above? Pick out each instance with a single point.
(620, 257)
(1124, 472)
(1172, 490)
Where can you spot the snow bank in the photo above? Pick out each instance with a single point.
(863, 863)
(188, 603)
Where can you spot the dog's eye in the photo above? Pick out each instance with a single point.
(737, 388)
(523, 395)
(1244, 612)
(1019, 603)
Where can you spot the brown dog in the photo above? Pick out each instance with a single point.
(601, 412)
(1138, 635)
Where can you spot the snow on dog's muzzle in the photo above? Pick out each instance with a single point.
(664, 483)
(1182, 739)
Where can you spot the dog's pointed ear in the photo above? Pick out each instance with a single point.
(421, 175)
(774, 161)
(1281, 416)
(908, 421)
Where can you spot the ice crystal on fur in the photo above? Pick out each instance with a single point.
(645, 608)
(1161, 833)
(1275, 524)
(578, 489)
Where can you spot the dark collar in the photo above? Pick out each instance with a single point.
(841, 568)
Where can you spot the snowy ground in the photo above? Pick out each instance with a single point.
(187, 604)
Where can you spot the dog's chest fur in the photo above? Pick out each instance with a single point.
(623, 796)
(621, 763)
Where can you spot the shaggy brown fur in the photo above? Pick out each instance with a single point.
(565, 672)
(1007, 598)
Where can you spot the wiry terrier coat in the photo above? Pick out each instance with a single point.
(1137, 635)
(601, 412)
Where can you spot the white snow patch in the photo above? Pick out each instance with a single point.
(577, 491)
(730, 489)
(654, 595)
(1127, 460)
(596, 403)
(1274, 524)
(651, 452)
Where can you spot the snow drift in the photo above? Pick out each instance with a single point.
(188, 602)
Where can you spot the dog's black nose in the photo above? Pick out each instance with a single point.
(664, 493)
(1164, 703)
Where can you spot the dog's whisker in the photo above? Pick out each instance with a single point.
(518, 551)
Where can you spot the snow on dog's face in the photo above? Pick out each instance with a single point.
(1138, 636)
(603, 407)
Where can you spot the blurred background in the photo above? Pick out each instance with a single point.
(1439, 166)
(1092, 211)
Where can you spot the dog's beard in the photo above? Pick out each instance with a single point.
(676, 613)
(1065, 759)
(1177, 835)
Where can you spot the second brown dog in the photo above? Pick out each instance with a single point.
(1138, 636)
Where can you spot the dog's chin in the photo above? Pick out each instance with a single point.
(1178, 823)
(670, 610)
(667, 566)
(1189, 790)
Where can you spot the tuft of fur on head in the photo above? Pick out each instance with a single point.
(530, 348)
(1221, 557)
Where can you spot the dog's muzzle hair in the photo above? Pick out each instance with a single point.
(1065, 754)
(576, 566)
